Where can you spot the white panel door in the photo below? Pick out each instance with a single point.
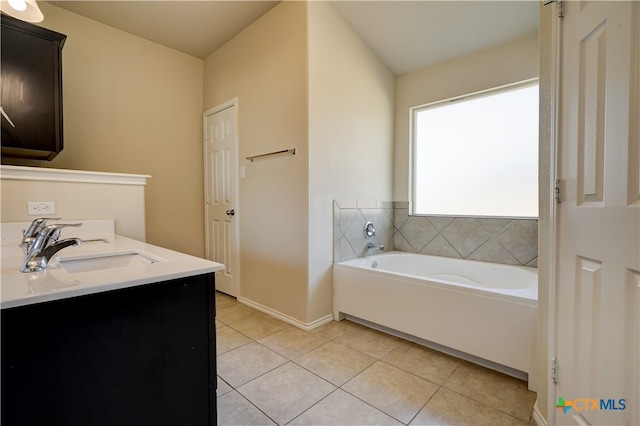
(597, 275)
(220, 196)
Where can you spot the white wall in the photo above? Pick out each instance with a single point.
(351, 95)
(513, 61)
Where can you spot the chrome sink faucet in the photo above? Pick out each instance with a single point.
(45, 246)
(29, 236)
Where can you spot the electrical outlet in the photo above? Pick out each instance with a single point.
(37, 208)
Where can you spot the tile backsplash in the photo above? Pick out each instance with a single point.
(498, 240)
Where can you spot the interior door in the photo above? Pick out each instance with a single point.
(221, 213)
(597, 277)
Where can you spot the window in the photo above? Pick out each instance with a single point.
(477, 155)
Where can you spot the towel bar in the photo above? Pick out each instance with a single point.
(284, 151)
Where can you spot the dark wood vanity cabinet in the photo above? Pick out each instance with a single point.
(31, 90)
(144, 355)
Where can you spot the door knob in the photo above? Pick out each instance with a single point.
(230, 212)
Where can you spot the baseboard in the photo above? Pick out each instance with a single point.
(286, 318)
(537, 416)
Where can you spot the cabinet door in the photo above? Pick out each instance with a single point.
(31, 90)
(138, 356)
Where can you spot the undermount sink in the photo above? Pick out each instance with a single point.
(101, 261)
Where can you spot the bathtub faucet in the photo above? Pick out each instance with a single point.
(373, 245)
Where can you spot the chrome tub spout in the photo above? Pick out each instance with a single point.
(375, 246)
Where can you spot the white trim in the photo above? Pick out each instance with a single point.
(286, 318)
(556, 46)
(228, 104)
(231, 103)
(538, 418)
(479, 93)
(61, 175)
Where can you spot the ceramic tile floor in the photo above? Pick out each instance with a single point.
(342, 373)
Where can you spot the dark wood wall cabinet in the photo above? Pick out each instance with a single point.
(31, 90)
(138, 356)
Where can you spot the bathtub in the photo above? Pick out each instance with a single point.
(485, 310)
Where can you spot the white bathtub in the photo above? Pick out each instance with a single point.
(482, 309)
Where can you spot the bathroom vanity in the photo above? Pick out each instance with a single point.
(93, 341)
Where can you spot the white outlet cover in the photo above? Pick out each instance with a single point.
(35, 208)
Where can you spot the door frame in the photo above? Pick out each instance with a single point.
(231, 103)
(553, 199)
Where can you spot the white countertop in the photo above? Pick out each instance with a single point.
(55, 283)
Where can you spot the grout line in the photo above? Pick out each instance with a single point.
(375, 360)
(424, 405)
(255, 406)
(373, 406)
(322, 399)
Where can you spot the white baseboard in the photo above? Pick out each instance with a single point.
(537, 416)
(286, 318)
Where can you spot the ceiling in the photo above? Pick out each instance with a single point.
(194, 27)
(406, 35)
